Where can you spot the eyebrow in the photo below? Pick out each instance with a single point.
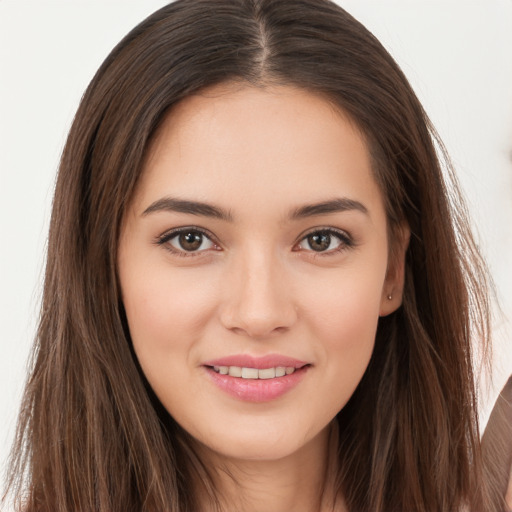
(191, 207)
(208, 210)
(337, 205)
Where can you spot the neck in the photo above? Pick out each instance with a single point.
(302, 481)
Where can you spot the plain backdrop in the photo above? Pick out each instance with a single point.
(456, 53)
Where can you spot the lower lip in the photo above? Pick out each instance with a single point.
(257, 390)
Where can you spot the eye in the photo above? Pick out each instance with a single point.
(325, 240)
(186, 241)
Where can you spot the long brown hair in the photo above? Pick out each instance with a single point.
(92, 436)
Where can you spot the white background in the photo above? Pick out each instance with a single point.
(456, 53)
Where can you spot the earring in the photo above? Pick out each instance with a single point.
(390, 297)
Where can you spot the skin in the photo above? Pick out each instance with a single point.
(258, 287)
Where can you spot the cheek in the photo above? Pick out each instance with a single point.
(166, 311)
(343, 320)
(347, 302)
(349, 328)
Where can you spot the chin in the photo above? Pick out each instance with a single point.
(258, 444)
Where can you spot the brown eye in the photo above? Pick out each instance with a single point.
(327, 241)
(319, 241)
(189, 240)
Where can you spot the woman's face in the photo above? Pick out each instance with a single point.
(253, 264)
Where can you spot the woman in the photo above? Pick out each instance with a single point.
(258, 294)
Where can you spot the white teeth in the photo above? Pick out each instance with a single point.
(235, 371)
(254, 373)
(249, 373)
(267, 373)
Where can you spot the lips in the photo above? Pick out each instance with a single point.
(256, 379)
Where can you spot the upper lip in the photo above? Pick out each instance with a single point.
(248, 361)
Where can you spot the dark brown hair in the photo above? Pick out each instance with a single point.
(92, 436)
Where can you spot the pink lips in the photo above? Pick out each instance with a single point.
(257, 390)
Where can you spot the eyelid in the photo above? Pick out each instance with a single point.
(164, 238)
(346, 239)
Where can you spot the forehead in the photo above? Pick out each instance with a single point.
(274, 145)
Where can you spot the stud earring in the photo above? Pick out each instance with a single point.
(390, 297)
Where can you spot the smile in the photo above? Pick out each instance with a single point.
(262, 384)
(254, 373)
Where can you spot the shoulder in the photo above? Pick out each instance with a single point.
(497, 444)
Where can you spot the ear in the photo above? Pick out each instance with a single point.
(392, 291)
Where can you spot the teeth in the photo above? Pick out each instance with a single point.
(254, 373)
(249, 373)
(267, 373)
(280, 371)
(235, 371)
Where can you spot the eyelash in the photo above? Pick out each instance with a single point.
(163, 240)
(346, 241)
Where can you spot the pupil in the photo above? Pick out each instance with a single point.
(191, 241)
(319, 241)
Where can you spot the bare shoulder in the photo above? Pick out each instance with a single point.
(497, 444)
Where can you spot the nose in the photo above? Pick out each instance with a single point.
(259, 300)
